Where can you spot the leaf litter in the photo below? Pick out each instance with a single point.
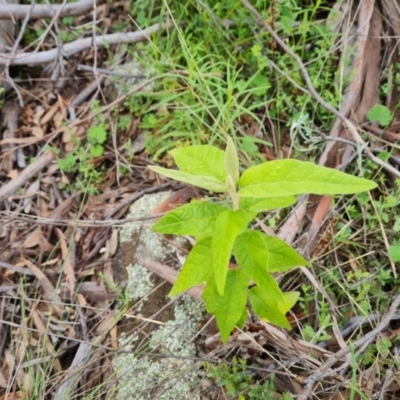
(59, 284)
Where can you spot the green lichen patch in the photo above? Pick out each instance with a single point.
(144, 244)
(166, 378)
(143, 376)
(139, 282)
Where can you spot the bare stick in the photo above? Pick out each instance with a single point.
(13, 52)
(311, 90)
(31, 170)
(107, 72)
(85, 93)
(44, 57)
(20, 11)
(93, 223)
(23, 271)
(53, 22)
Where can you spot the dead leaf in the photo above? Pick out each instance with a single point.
(33, 239)
(342, 395)
(94, 292)
(13, 396)
(111, 244)
(176, 199)
(106, 324)
(59, 118)
(44, 331)
(289, 229)
(36, 238)
(3, 381)
(48, 289)
(114, 337)
(36, 118)
(9, 363)
(13, 174)
(29, 193)
(38, 132)
(69, 259)
(52, 169)
(48, 116)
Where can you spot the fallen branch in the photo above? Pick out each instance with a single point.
(44, 57)
(31, 170)
(23, 271)
(20, 11)
(93, 223)
(74, 371)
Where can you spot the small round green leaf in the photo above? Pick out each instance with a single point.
(380, 113)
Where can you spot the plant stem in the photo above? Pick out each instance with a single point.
(235, 200)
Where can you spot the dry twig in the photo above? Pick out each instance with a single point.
(44, 57)
(20, 11)
(31, 170)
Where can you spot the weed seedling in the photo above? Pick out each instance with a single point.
(221, 229)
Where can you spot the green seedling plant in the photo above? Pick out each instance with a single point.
(221, 229)
(238, 383)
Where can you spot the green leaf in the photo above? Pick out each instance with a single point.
(380, 113)
(196, 269)
(209, 296)
(228, 308)
(240, 324)
(67, 164)
(97, 150)
(261, 84)
(260, 204)
(290, 299)
(231, 160)
(394, 252)
(205, 182)
(194, 219)
(267, 283)
(254, 264)
(282, 178)
(228, 225)
(201, 160)
(256, 250)
(97, 134)
(256, 50)
(267, 308)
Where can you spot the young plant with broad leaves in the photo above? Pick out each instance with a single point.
(220, 230)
